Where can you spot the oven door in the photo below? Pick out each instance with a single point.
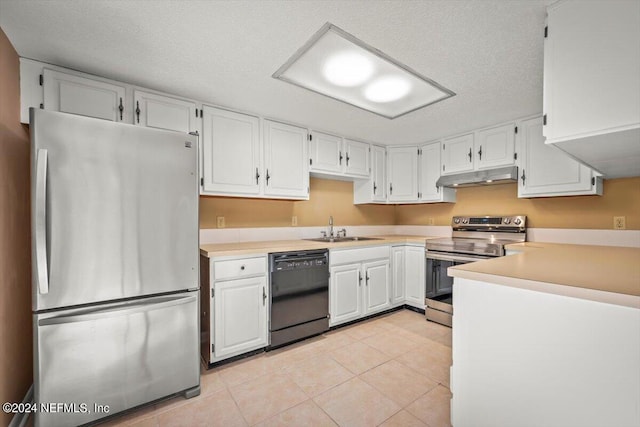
(439, 285)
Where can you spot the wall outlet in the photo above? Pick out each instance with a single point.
(619, 223)
(220, 221)
(430, 221)
(294, 221)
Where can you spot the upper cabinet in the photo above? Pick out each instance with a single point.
(547, 171)
(484, 149)
(230, 152)
(83, 96)
(286, 167)
(238, 161)
(164, 112)
(592, 83)
(402, 174)
(429, 168)
(333, 155)
(373, 189)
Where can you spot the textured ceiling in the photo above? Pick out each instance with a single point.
(224, 52)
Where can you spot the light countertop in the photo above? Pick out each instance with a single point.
(263, 247)
(601, 273)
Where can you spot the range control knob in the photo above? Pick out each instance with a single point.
(507, 220)
(465, 220)
(517, 221)
(456, 220)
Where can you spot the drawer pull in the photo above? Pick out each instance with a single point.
(242, 267)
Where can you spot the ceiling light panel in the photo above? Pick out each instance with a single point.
(336, 64)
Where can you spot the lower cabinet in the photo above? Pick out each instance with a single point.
(360, 283)
(408, 269)
(234, 300)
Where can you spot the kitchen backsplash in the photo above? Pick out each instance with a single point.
(328, 197)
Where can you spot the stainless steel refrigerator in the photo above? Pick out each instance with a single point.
(115, 266)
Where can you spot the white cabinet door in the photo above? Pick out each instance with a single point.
(376, 290)
(403, 174)
(86, 97)
(356, 158)
(240, 316)
(397, 276)
(495, 147)
(457, 154)
(345, 293)
(379, 173)
(326, 153)
(546, 170)
(429, 167)
(286, 169)
(231, 152)
(414, 276)
(163, 112)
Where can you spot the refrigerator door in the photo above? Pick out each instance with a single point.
(114, 210)
(115, 355)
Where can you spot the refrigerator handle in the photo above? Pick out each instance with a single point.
(42, 273)
(141, 306)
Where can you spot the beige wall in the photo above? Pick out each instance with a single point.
(15, 261)
(621, 198)
(327, 197)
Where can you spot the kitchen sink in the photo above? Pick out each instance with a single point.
(342, 239)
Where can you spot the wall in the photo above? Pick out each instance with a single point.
(15, 246)
(327, 197)
(621, 198)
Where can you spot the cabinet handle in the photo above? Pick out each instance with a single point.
(121, 109)
(390, 188)
(469, 154)
(242, 267)
(480, 152)
(359, 278)
(523, 177)
(138, 111)
(340, 153)
(268, 177)
(257, 176)
(264, 296)
(347, 159)
(374, 187)
(367, 279)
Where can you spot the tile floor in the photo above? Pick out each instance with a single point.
(392, 370)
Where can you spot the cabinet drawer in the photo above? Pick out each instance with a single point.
(235, 268)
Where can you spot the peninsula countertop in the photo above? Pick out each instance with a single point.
(261, 247)
(602, 273)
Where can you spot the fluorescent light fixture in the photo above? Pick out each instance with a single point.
(338, 65)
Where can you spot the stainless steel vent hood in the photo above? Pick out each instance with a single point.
(483, 177)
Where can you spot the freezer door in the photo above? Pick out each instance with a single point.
(116, 355)
(114, 210)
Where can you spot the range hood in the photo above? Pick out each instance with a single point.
(483, 177)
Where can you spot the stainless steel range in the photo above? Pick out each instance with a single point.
(474, 238)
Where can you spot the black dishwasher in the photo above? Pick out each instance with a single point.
(299, 295)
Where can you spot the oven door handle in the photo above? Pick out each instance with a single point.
(454, 258)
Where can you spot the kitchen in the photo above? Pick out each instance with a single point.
(490, 55)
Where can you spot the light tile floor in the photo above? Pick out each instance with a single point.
(392, 370)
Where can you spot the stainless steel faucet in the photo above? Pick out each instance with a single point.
(330, 226)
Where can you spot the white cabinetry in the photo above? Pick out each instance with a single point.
(398, 273)
(239, 308)
(74, 94)
(164, 112)
(373, 189)
(429, 167)
(286, 167)
(547, 171)
(402, 167)
(230, 152)
(333, 155)
(414, 276)
(360, 283)
(484, 149)
(592, 83)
